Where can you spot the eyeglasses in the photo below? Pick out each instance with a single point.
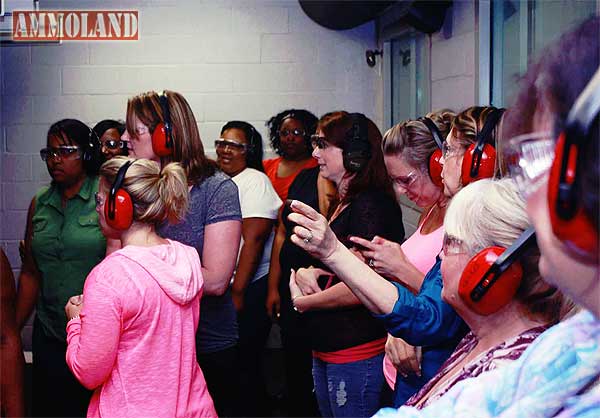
(318, 142)
(114, 144)
(294, 132)
(406, 182)
(529, 158)
(449, 151)
(99, 201)
(64, 151)
(222, 143)
(452, 245)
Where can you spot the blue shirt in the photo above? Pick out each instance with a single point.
(424, 320)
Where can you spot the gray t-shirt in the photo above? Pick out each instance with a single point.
(214, 200)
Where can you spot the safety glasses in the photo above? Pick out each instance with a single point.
(71, 152)
(294, 132)
(222, 143)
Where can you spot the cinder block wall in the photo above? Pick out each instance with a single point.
(231, 59)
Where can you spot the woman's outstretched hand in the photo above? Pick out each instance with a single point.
(312, 232)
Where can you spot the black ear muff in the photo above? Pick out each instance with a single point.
(118, 209)
(357, 148)
(569, 222)
(92, 147)
(479, 160)
(434, 166)
(492, 277)
(162, 135)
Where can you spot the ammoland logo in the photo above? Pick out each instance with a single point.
(75, 25)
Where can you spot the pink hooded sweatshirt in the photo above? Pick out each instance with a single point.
(134, 342)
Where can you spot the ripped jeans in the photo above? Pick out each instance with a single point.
(350, 389)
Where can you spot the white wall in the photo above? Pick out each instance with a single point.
(231, 59)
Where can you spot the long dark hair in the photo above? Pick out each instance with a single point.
(254, 152)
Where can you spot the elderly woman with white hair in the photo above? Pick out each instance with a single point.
(515, 308)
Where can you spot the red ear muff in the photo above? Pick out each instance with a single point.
(122, 217)
(160, 141)
(483, 291)
(118, 209)
(435, 168)
(162, 136)
(569, 222)
(486, 163)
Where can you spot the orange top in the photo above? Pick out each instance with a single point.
(282, 184)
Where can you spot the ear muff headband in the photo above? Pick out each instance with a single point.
(434, 166)
(492, 277)
(118, 209)
(162, 136)
(91, 145)
(479, 161)
(569, 222)
(357, 148)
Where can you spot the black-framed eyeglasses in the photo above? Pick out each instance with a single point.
(223, 143)
(318, 142)
(63, 151)
(294, 132)
(114, 144)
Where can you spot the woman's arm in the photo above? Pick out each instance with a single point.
(11, 362)
(221, 245)
(337, 296)
(93, 338)
(273, 299)
(255, 232)
(29, 278)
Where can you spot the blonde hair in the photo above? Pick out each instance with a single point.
(413, 139)
(492, 213)
(187, 145)
(157, 195)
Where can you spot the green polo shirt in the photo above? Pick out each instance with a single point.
(67, 243)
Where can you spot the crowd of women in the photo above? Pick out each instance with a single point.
(156, 272)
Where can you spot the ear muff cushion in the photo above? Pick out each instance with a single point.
(487, 164)
(578, 230)
(435, 168)
(159, 141)
(123, 216)
(499, 293)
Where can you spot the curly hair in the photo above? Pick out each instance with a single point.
(308, 120)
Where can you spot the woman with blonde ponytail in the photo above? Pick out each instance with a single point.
(131, 334)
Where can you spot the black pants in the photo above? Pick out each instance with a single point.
(56, 392)
(221, 371)
(254, 327)
(295, 338)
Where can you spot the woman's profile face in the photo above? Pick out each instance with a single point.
(452, 166)
(454, 260)
(140, 141)
(330, 159)
(411, 181)
(101, 200)
(65, 162)
(231, 151)
(291, 136)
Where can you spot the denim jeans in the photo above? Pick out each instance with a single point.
(350, 389)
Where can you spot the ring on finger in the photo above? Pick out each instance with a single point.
(308, 238)
(371, 262)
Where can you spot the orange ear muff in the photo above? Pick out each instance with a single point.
(569, 222)
(482, 289)
(160, 141)
(435, 168)
(485, 163)
(122, 216)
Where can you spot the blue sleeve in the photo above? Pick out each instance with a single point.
(423, 319)
(223, 203)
